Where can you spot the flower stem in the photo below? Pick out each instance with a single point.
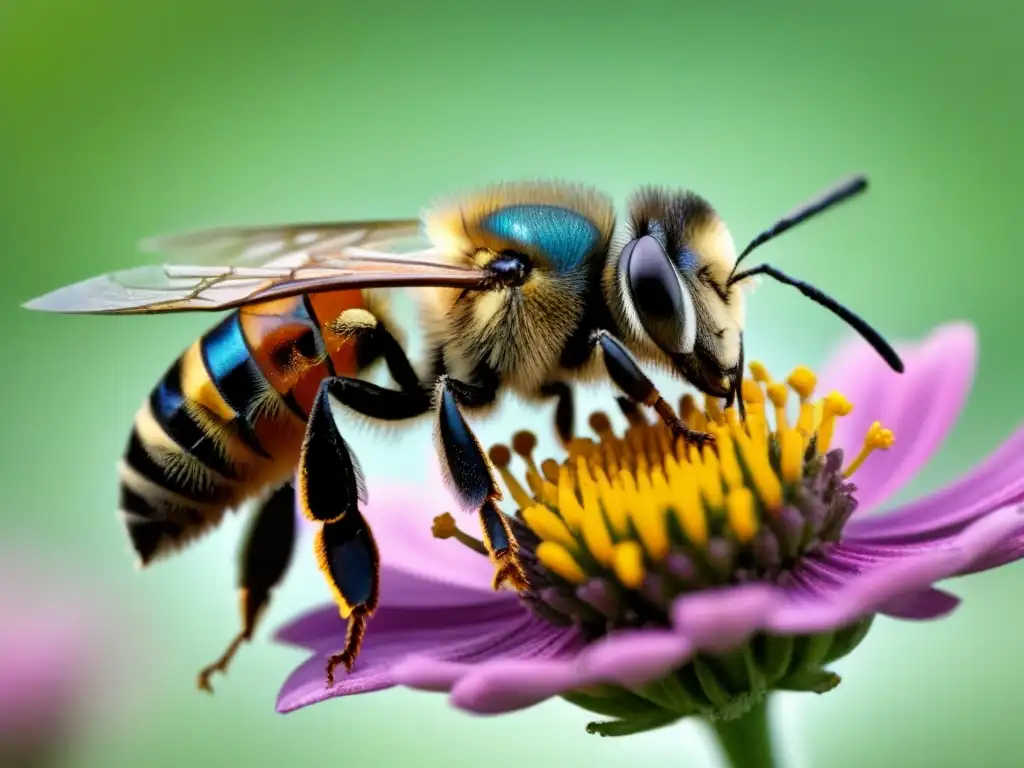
(747, 740)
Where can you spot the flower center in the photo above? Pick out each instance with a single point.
(626, 524)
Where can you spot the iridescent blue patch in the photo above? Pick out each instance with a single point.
(563, 236)
(686, 261)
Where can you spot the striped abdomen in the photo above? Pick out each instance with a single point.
(227, 419)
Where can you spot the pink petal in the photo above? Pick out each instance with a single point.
(920, 405)
(510, 683)
(389, 639)
(863, 580)
(997, 482)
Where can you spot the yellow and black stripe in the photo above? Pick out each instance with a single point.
(226, 420)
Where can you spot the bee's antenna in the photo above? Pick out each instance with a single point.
(873, 337)
(827, 199)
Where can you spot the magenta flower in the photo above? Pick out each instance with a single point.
(668, 582)
(51, 641)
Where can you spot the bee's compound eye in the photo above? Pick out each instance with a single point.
(652, 279)
(660, 300)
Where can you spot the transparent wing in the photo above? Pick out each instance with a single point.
(232, 267)
(256, 246)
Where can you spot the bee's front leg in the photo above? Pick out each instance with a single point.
(470, 476)
(330, 488)
(627, 375)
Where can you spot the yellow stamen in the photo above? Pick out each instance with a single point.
(548, 525)
(647, 518)
(792, 455)
(709, 475)
(688, 410)
(752, 392)
(501, 456)
(759, 372)
(601, 424)
(765, 480)
(629, 564)
(877, 438)
(803, 381)
(742, 516)
(557, 559)
(778, 394)
(833, 405)
(685, 500)
(594, 529)
(730, 465)
(568, 506)
(549, 468)
(613, 502)
(757, 425)
(714, 410)
(805, 422)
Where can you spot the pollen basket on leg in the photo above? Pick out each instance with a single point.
(628, 521)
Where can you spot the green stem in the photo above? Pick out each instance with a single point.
(747, 740)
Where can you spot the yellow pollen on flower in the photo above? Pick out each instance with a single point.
(558, 559)
(878, 438)
(713, 410)
(501, 457)
(684, 498)
(791, 458)
(760, 469)
(709, 475)
(629, 564)
(802, 381)
(728, 463)
(833, 405)
(593, 527)
(778, 394)
(752, 392)
(622, 503)
(647, 517)
(612, 500)
(759, 372)
(741, 511)
(570, 508)
(548, 525)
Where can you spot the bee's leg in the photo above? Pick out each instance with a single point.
(265, 556)
(565, 411)
(469, 474)
(374, 341)
(624, 370)
(330, 489)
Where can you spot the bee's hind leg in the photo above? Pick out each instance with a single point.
(470, 475)
(266, 554)
(627, 375)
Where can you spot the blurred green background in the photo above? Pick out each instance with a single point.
(121, 119)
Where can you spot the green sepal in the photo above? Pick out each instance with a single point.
(611, 701)
(810, 681)
(633, 725)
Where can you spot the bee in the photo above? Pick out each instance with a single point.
(522, 287)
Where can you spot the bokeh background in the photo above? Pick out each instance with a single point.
(121, 119)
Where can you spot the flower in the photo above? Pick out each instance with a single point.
(51, 657)
(668, 580)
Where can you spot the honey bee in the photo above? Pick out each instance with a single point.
(522, 287)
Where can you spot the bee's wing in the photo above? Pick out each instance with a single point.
(219, 269)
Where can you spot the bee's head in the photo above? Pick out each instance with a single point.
(541, 245)
(668, 286)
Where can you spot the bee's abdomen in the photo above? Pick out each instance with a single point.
(226, 420)
(213, 433)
